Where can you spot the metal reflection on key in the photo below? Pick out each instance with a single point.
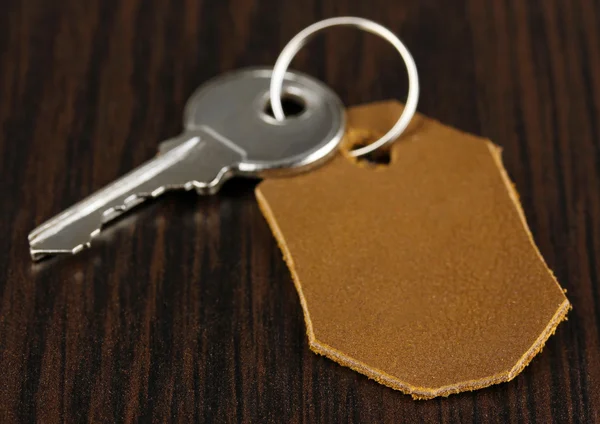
(227, 133)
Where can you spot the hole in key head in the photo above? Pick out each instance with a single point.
(292, 104)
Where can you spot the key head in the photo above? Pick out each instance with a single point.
(234, 107)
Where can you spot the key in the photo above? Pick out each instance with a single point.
(227, 132)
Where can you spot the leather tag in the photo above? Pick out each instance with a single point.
(421, 274)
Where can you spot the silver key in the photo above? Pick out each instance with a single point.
(227, 133)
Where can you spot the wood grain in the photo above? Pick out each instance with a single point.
(184, 311)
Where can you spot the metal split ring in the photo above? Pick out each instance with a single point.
(296, 43)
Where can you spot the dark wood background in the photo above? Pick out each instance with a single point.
(184, 310)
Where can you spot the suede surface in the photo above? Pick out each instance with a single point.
(421, 274)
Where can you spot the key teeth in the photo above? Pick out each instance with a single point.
(135, 199)
(38, 253)
(83, 246)
(107, 216)
(129, 203)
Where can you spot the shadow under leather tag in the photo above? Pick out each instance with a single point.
(422, 274)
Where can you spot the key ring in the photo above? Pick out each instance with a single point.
(296, 43)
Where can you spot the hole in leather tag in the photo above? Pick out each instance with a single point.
(358, 138)
(424, 275)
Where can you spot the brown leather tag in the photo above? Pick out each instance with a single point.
(421, 274)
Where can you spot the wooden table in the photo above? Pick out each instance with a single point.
(184, 310)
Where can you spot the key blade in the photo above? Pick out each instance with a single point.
(196, 160)
(116, 189)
